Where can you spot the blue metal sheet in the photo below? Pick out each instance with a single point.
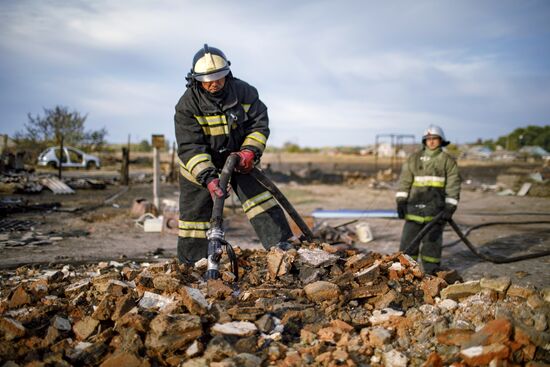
(349, 213)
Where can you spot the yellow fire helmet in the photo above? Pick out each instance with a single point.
(209, 64)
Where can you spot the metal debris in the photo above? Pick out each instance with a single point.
(17, 205)
(10, 225)
(56, 185)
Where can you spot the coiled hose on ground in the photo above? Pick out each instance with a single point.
(415, 243)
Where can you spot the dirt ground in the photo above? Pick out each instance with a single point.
(113, 234)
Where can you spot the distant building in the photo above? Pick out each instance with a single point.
(477, 152)
(535, 151)
(385, 150)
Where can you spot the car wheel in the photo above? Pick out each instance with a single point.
(52, 164)
(91, 165)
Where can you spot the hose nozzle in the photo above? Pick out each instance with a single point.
(215, 241)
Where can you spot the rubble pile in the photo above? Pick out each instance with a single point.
(319, 305)
(31, 183)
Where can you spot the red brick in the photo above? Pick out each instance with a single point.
(434, 360)
(495, 331)
(458, 337)
(481, 355)
(125, 359)
(20, 297)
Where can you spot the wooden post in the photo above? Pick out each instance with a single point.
(156, 177)
(61, 155)
(125, 169)
(173, 171)
(158, 143)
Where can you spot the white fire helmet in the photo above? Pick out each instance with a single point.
(437, 131)
(209, 64)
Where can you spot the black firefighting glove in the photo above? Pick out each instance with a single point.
(401, 208)
(448, 212)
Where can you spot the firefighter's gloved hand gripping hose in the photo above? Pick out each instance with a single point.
(216, 235)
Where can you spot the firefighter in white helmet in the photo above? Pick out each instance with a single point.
(429, 183)
(220, 115)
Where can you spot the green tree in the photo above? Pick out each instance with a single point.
(95, 140)
(524, 136)
(290, 147)
(144, 146)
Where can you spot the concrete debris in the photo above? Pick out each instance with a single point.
(316, 306)
(141, 206)
(506, 192)
(28, 182)
(237, 328)
(153, 300)
(316, 258)
(19, 183)
(86, 183)
(335, 235)
(524, 189)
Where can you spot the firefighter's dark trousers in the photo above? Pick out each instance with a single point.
(429, 251)
(265, 215)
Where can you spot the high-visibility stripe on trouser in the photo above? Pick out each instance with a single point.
(265, 215)
(193, 229)
(418, 218)
(195, 213)
(258, 204)
(429, 259)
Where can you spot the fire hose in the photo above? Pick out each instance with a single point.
(216, 235)
(283, 201)
(415, 243)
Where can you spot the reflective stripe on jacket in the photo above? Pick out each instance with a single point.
(429, 180)
(209, 127)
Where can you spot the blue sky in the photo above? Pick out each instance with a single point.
(331, 72)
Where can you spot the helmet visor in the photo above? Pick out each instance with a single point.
(211, 77)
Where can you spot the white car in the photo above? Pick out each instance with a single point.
(72, 157)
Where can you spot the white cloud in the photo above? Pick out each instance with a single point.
(364, 67)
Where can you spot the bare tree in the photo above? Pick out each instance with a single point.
(41, 131)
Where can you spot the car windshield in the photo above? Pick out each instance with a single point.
(43, 153)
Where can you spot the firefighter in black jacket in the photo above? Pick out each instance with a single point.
(220, 115)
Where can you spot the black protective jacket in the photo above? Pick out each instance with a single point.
(210, 126)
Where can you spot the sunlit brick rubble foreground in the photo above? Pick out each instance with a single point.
(320, 306)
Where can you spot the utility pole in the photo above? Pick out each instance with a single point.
(61, 155)
(158, 143)
(125, 169)
(173, 171)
